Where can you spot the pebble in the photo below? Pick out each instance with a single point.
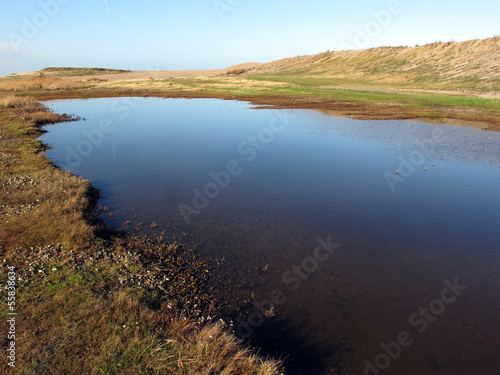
(169, 269)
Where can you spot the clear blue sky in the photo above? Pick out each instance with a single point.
(190, 34)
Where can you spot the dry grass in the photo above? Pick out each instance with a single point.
(29, 109)
(214, 351)
(40, 204)
(470, 66)
(65, 327)
(41, 83)
(32, 218)
(13, 101)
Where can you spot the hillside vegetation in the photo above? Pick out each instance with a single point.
(472, 66)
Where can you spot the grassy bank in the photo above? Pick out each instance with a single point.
(342, 97)
(91, 300)
(346, 98)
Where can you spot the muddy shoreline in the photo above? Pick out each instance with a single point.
(354, 110)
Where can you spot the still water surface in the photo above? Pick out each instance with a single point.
(258, 188)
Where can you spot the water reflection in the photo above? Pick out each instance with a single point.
(400, 235)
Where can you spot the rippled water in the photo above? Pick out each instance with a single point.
(413, 207)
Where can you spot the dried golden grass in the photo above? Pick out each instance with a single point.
(41, 83)
(13, 101)
(29, 109)
(57, 198)
(68, 329)
(471, 65)
(212, 350)
(42, 117)
(47, 222)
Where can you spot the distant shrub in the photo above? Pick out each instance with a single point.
(95, 79)
(237, 71)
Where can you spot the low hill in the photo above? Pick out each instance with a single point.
(472, 66)
(80, 71)
(119, 74)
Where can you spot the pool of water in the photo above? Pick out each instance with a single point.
(359, 245)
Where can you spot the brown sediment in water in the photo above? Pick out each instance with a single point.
(89, 293)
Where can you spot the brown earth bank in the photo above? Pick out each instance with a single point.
(355, 110)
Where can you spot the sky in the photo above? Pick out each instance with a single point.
(211, 34)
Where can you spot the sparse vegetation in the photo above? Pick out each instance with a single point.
(436, 66)
(41, 83)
